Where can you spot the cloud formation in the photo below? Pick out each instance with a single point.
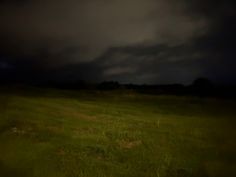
(127, 40)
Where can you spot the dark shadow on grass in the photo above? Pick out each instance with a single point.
(6, 171)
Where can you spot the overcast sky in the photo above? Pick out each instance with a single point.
(130, 41)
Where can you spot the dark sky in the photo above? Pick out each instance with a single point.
(137, 41)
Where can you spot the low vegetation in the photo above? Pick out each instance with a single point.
(53, 133)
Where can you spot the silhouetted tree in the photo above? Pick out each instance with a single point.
(202, 82)
(202, 87)
(109, 85)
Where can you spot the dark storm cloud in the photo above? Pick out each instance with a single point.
(211, 55)
(152, 41)
(152, 64)
(219, 43)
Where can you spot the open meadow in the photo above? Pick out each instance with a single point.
(59, 133)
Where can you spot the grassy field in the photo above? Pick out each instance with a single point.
(52, 133)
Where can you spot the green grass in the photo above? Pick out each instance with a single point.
(52, 133)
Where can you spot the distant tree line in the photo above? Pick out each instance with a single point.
(200, 87)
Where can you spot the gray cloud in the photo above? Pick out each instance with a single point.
(152, 41)
(94, 26)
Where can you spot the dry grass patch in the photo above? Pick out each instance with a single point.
(125, 144)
